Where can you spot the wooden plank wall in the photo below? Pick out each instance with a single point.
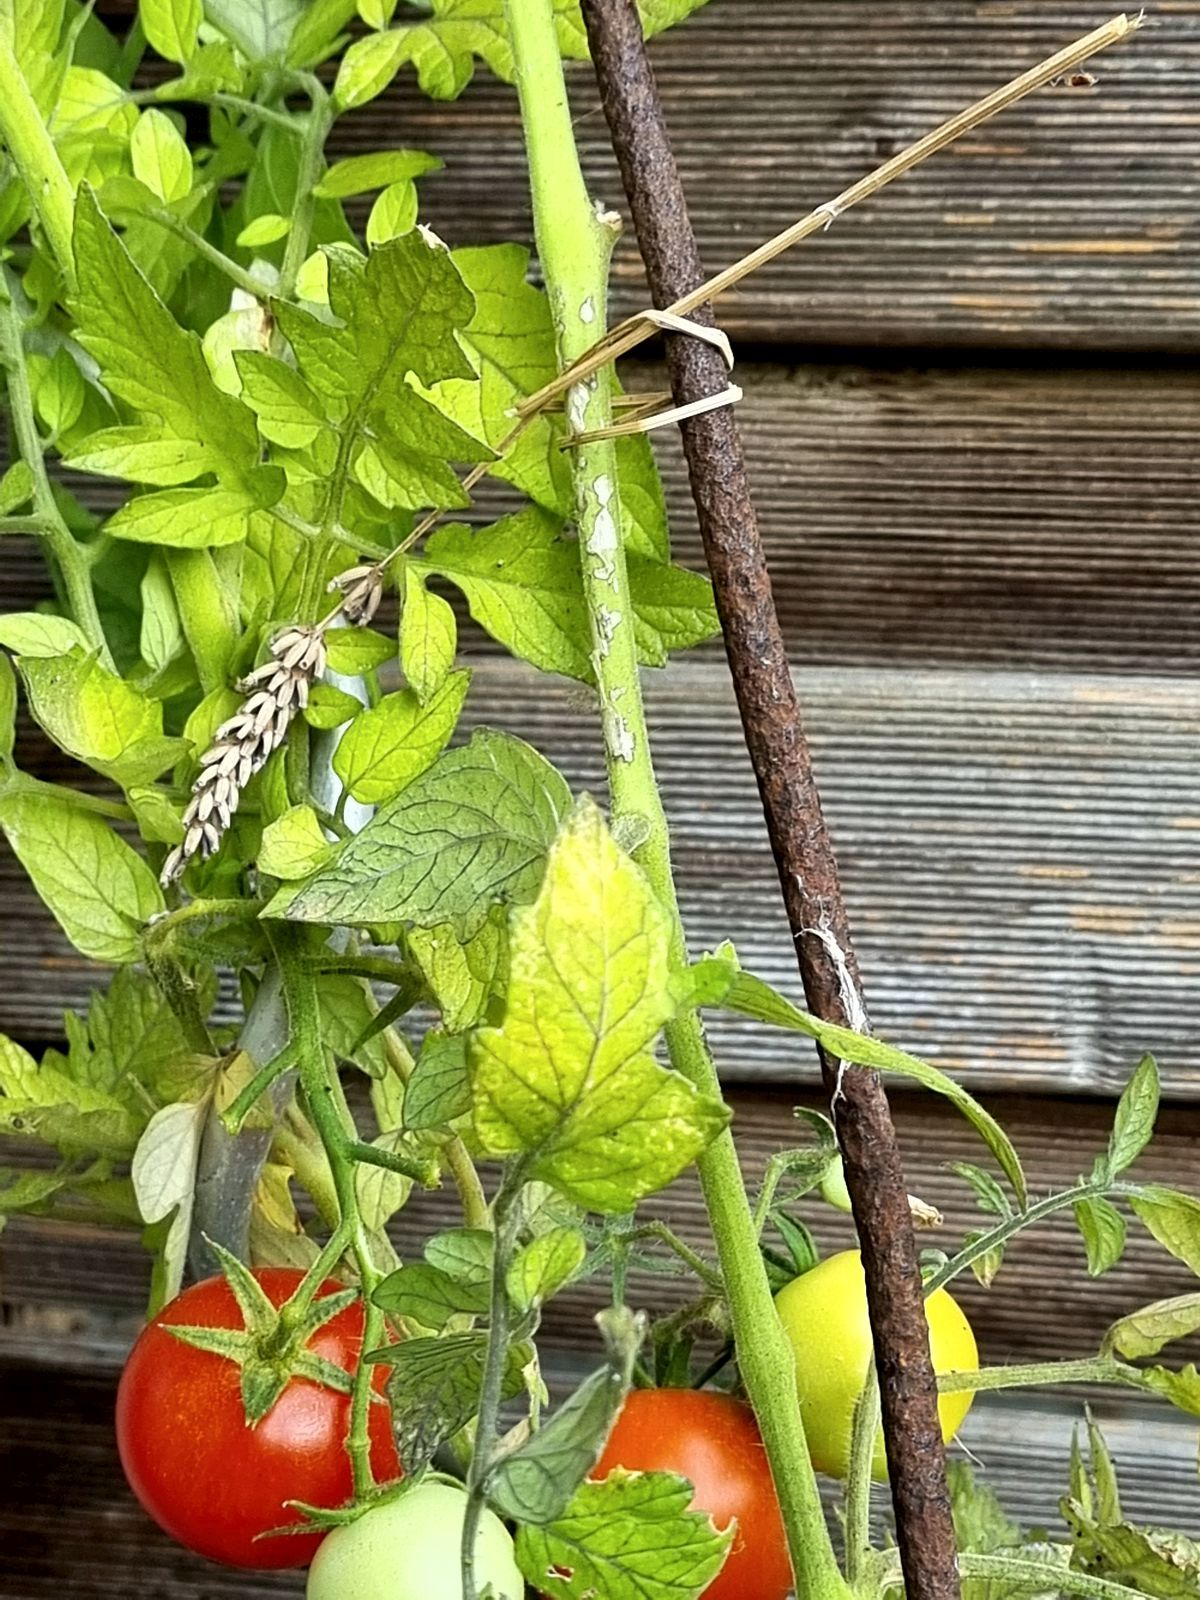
(970, 415)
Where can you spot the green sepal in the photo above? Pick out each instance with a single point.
(261, 1316)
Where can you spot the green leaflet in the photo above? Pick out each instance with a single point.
(145, 357)
(428, 636)
(100, 891)
(186, 519)
(567, 1078)
(293, 845)
(361, 174)
(131, 1045)
(438, 1090)
(385, 748)
(45, 1103)
(288, 411)
(98, 718)
(522, 582)
(171, 26)
(261, 29)
(443, 46)
(398, 312)
(462, 976)
(471, 831)
(628, 1537)
(142, 455)
(39, 634)
(511, 337)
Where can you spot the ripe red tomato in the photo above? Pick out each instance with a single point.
(714, 1442)
(208, 1479)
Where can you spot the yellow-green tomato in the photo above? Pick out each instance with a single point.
(824, 1314)
(409, 1549)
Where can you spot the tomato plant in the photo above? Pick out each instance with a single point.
(207, 1477)
(713, 1441)
(409, 1549)
(278, 387)
(825, 1315)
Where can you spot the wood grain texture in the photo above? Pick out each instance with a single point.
(1021, 854)
(1069, 222)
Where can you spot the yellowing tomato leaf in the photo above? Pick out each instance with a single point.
(388, 746)
(294, 845)
(628, 1537)
(428, 636)
(567, 1079)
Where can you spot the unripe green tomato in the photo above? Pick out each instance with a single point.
(824, 1313)
(409, 1549)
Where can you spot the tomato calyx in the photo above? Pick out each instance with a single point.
(270, 1349)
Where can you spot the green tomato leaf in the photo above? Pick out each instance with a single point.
(388, 746)
(8, 708)
(16, 487)
(318, 32)
(988, 1193)
(568, 1078)
(100, 891)
(545, 1266)
(462, 975)
(394, 213)
(42, 1102)
(381, 1192)
(161, 636)
(428, 637)
(465, 1254)
(429, 1296)
(1181, 1388)
(160, 156)
(58, 390)
(751, 997)
(1137, 1109)
(40, 634)
(97, 717)
(434, 1389)
(188, 519)
(356, 651)
(1102, 1228)
(172, 26)
(523, 586)
(511, 340)
(471, 831)
(268, 228)
(132, 1045)
(330, 707)
(360, 174)
(438, 1090)
(141, 455)
(293, 845)
(628, 1537)
(1145, 1332)
(145, 357)
(673, 608)
(1150, 1561)
(366, 69)
(1174, 1220)
(397, 312)
(261, 29)
(288, 411)
(534, 1483)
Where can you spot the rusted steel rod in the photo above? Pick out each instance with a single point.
(800, 840)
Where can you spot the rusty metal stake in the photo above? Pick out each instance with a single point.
(799, 838)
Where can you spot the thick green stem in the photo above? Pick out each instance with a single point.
(24, 131)
(312, 151)
(1090, 1369)
(69, 557)
(858, 1480)
(507, 1220)
(574, 245)
(179, 992)
(331, 1118)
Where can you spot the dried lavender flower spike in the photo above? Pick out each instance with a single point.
(244, 743)
(361, 589)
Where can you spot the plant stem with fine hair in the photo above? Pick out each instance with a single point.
(574, 244)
